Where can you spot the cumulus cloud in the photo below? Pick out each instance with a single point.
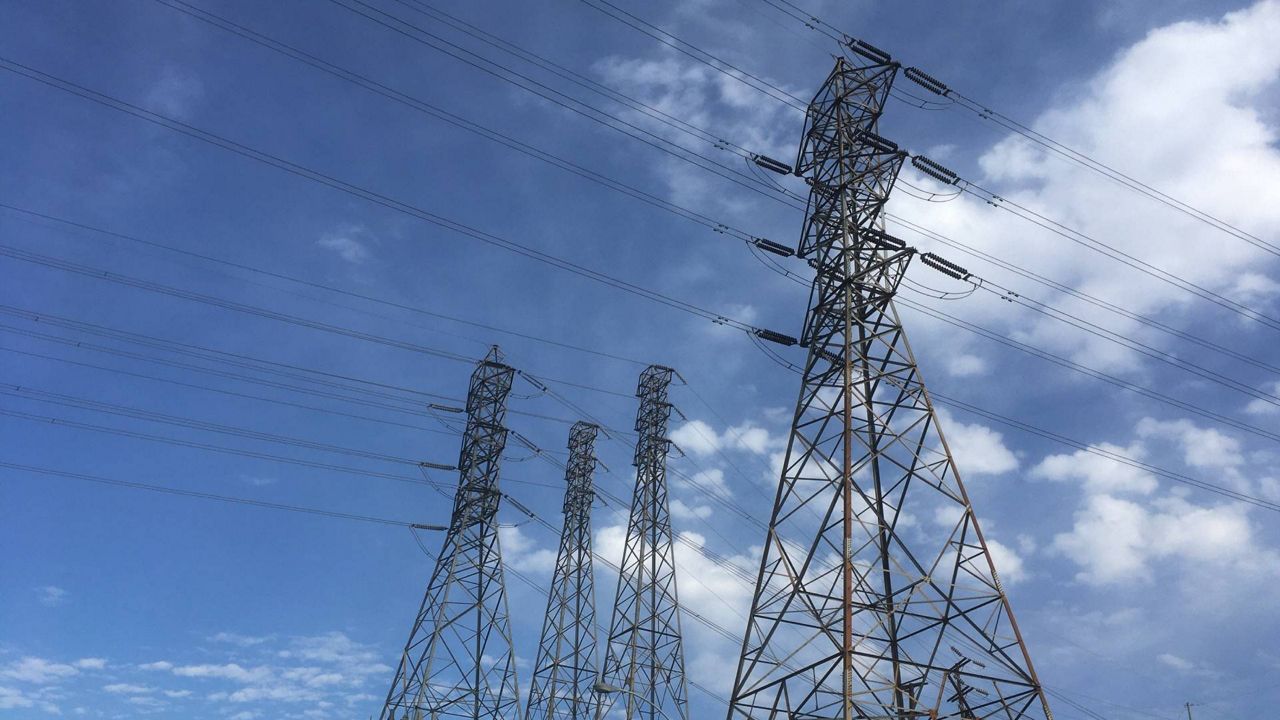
(37, 670)
(978, 449)
(521, 552)
(700, 438)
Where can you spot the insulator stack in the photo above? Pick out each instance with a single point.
(773, 247)
(944, 266)
(926, 81)
(771, 165)
(868, 51)
(883, 239)
(879, 143)
(934, 170)
(775, 337)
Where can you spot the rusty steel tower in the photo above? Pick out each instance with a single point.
(564, 672)
(645, 655)
(459, 662)
(859, 612)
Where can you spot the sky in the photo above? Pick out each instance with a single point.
(1136, 592)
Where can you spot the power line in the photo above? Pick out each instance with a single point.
(363, 193)
(456, 120)
(133, 485)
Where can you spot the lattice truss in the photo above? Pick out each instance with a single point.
(459, 662)
(564, 672)
(877, 596)
(645, 655)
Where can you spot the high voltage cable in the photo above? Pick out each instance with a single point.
(1081, 295)
(132, 485)
(572, 76)
(177, 126)
(669, 147)
(357, 191)
(458, 121)
(317, 285)
(232, 393)
(1058, 148)
(1089, 371)
(697, 53)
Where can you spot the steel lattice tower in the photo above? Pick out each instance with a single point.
(564, 672)
(458, 662)
(645, 655)
(877, 597)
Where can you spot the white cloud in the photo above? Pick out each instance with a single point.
(681, 511)
(965, 365)
(1259, 406)
(1175, 662)
(127, 689)
(350, 242)
(521, 552)
(91, 663)
(1202, 447)
(1009, 564)
(51, 595)
(977, 449)
(158, 665)
(38, 670)
(239, 640)
(228, 671)
(1099, 474)
(700, 438)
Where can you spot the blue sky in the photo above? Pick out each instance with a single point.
(1136, 593)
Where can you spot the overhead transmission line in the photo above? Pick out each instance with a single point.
(951, 319)
(169, 123)
(425, 37)
(743, 236)
(363, 193)
(931, 84)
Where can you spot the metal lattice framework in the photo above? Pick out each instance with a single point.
(459, 662)
(877, 596)
(564, 673)
(645, 655)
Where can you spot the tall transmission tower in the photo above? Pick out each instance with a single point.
(459, 662)
(645, 656)
(877, 596)
(564, 672)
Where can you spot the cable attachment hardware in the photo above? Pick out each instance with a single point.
(770, 164)
(774, 337)
(926, 81)
(934, 170)
(773, 247)
(867, 50)
(884, 145)
(944, 266)
(883, 239)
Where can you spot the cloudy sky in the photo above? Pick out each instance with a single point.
(158, 352)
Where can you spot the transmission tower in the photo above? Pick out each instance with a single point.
(645, 656)
(877, 596)
(458, 662)
(564, 673)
